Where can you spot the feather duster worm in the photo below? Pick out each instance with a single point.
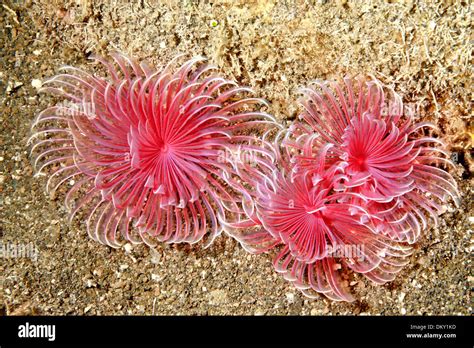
(145, 149)
(397, 165)
(354, 175)
(317, 231)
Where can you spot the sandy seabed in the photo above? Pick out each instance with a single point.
(422, 49)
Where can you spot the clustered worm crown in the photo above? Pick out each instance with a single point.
(182, 154)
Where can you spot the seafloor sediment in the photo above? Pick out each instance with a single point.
(422, 49)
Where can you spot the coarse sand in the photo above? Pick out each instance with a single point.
(422, 49)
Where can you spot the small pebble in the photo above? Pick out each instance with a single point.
(128, 247)
(36, 83)
(401, 296)
(290, 297)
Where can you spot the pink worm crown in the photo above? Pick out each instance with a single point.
(181, 154)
